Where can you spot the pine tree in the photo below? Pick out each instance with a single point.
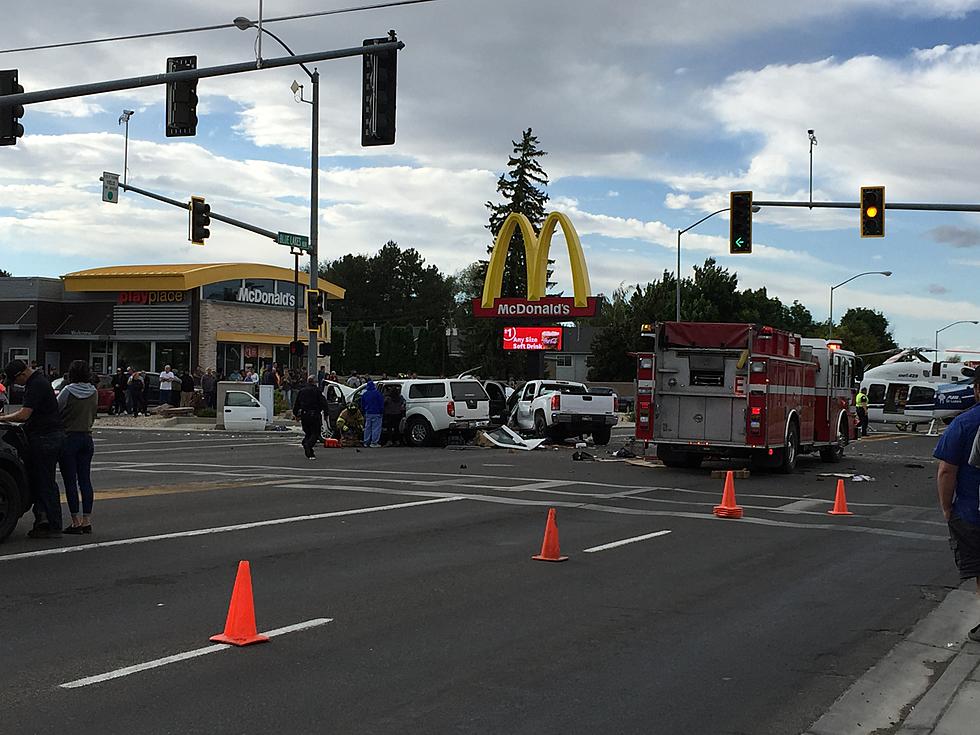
(523, 192)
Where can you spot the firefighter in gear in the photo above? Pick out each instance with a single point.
(861, 401)
(308, 407)
(350, 426)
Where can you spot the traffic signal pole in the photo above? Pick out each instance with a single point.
(116, 85)
(183, 205)
(927, 207)
(314, 212)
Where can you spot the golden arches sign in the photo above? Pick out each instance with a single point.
(536, 248)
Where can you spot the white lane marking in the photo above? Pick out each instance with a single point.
(218, 437)
(156, 663)
(204, 446)
(223, 529)
(625, 541)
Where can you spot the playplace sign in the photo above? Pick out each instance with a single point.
(146, 298)
(536, 248)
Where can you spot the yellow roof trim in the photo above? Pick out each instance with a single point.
(180, 277)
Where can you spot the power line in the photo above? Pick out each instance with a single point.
(211, 28)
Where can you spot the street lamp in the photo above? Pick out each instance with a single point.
(245, 24)
(124, 118)
(677, 274)
(830, 331)
(961, 321)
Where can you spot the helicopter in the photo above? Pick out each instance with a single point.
(908, 389)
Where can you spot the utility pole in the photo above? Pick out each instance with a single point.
(314, 209)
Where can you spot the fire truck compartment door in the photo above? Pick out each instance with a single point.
(701, 418)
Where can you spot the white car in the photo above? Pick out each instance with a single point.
(437, 406)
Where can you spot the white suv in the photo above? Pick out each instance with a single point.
(434, 407)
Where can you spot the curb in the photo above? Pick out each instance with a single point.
(903, 691)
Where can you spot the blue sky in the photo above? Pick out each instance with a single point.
(650, 116)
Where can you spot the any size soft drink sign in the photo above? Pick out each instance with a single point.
(532, 338)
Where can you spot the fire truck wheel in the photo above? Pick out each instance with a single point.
(787, 455)
(835, 452)
(679, 460)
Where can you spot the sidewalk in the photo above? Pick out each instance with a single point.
(928, 684)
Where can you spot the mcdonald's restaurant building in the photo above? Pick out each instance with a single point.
(221, 315)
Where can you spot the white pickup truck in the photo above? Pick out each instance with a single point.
(557, 409)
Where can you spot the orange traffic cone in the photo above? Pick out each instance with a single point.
(728, 509)
(840, 501)
(549, 547)
(240, 627)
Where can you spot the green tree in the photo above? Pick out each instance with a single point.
(522, 189)
(337, 361)
(393, 286)
(4, 274)
(866, 331)
(359, 352)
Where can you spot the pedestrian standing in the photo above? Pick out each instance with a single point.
(373, 404)
(78, 404)
(394, 412)
(137, 393)
(45, 435)
(308, 408)
(119, 392)
(861, 401)
(958, 483)
(209, 387)
(167, 380)
(186, 388)
(353, 381)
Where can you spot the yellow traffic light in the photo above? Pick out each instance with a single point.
(872, 211)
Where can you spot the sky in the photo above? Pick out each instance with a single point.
(651, 113)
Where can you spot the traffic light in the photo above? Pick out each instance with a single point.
(740, 223)
(10, 129)
(324, 348)
(200, 218)
(872, 211)
(378, 94)
(296, 348)
(181, 99)
(314, 310)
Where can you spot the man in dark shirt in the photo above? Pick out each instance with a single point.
(45, 435)
(308, 408)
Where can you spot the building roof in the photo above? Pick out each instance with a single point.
(180, 277)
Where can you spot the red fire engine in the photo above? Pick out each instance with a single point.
(743, 390)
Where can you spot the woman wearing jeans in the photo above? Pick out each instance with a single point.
(79, 404)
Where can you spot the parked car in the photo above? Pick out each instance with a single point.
(15, 496)
(243, 412)
(435, 407)
(557, 409)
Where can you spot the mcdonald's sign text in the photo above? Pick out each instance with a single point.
(546, 307)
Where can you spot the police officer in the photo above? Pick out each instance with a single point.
(308, 407)
(861, 401)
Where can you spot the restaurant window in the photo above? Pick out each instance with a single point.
(135, 355)
(175, 354)
(229, 358)
(221, 291)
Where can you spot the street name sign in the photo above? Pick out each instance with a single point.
(110, 187)
(300, 242)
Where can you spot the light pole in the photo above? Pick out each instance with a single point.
(677, 299)
(953, 324)
(244, 24)
(813, 142)
(124, 118)
(830, 331)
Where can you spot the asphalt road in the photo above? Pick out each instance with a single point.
(440, 622)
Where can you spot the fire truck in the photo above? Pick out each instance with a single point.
(744, 390)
